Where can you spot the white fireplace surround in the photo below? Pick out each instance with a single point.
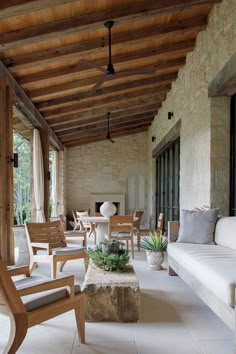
(118, 199)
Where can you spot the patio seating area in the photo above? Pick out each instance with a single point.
(173, 320)
(130, 107)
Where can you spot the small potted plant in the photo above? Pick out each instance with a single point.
(155, 245)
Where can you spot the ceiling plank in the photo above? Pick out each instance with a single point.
(25, 105)
(24, 61)
(12, 8)
(103, 123)
(177, 48)
(159, 80)
(122, 127)
(65, 27)
(174, 64)
(79, 120)
(100, 137)
(114, 103)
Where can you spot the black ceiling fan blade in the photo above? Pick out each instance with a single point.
(108, 137)
(99, 83)
(93, 65)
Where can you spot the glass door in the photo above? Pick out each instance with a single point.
(167, 183)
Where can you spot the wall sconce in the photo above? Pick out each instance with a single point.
(170, 115)
(153, 138)
(14, 160)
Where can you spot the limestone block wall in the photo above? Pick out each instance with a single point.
(204, 135)
(62, 180)
(103, 167)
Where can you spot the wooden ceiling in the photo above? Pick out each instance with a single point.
(45, 44)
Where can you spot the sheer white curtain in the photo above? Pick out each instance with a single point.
(38, 176)
(54, 193)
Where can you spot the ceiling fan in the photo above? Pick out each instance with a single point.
(110, 72)
(108, 136)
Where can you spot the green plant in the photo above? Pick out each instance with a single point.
(155, 242)
(110, 262)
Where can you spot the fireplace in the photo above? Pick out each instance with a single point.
(96, 200)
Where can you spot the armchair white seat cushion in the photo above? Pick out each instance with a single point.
(63, 251)
(212, 265)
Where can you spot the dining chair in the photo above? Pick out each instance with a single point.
(121, 227)
(77, 225)
(86, 225)
(146, 231)
(47, 243)
(28, 302)
(71, 234)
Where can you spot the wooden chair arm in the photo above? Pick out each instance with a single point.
(19, 270)
(48, 285)
(44, 245)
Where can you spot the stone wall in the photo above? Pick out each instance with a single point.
(204, 135)
(104, 167)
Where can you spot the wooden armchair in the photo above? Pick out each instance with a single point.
(71, 234)
(28, 311)
(121, 227)
(49, 240)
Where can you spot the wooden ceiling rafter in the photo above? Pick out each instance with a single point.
(94, 45)
(56, 51)
(113, 122)
(95, 20)
(83, 120)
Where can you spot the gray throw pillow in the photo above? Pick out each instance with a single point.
(197, 226)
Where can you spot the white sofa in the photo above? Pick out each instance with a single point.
(210, 270)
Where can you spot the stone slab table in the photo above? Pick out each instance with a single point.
(111, 296)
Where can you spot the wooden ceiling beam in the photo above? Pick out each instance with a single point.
(103, 124)
(73, 25)
(82, 120)
(153, 81)
(39, 93)
(25, 105)
(179, 49)
(117, 102)
(12, 8)
(121, 128)
(101, 137)
(93, 46)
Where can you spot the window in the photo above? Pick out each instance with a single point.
(167, 183)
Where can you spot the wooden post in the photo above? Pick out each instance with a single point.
(45, 151)
(6, 175)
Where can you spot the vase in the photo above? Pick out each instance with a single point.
(155, 259)
(108, 209)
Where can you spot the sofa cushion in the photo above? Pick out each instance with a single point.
(197, 226)
(213, 266)
(225, 234)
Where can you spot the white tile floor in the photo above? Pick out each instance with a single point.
(173, 320)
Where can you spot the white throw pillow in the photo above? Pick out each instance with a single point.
(197, 226)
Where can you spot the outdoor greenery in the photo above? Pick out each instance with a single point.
(155, 242)
(111, 258)
(22, 192)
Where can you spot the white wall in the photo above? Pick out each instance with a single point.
(104, 167)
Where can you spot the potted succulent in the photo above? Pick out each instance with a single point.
(155, 246)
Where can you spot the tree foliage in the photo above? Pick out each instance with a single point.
(22, 193)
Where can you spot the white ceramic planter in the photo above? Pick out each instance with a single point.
(155, 259)
(108, 209)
